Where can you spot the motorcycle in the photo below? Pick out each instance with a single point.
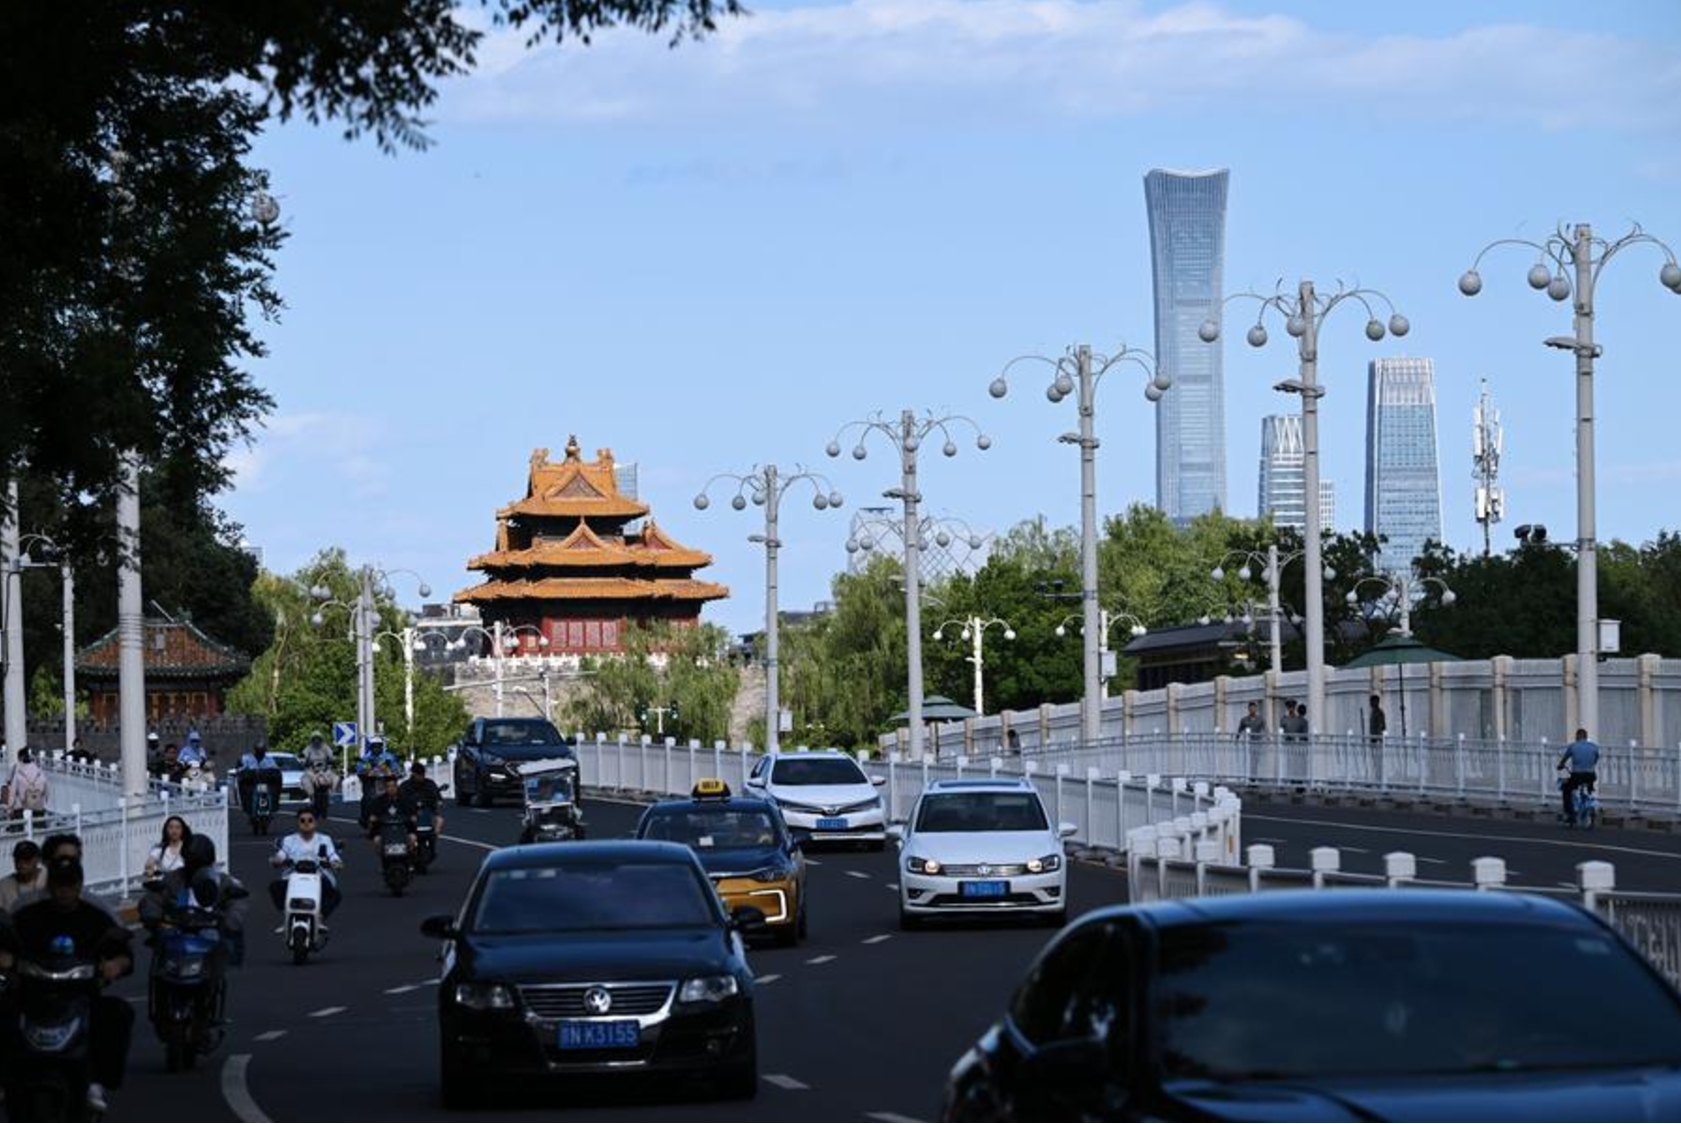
(396, 856)
(425, 838)
(304, 929)
(187, 991)
(49, 1075)
(322, 783)
(265, 790)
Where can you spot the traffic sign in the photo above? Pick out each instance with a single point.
(344, 734)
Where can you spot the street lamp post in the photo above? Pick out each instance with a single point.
(501, 636)
(1079, 373)
(767, 488)
(1272, 573)
(974, 629)
(364, 621)
(907, 437)
(1303, 313)
(1578, 251)
(67, 622)
(1399, 587)
(1106, 620)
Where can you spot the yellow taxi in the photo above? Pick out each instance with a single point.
(746, 849)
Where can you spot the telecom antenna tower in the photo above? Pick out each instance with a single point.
(1487, 440)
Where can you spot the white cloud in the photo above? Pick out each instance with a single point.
(1108, 58)
(289, 446)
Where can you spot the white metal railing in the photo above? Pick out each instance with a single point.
(1104, 806)
(1632, 779)
(1650, 922)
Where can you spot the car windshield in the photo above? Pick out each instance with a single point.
(521, 733)
(1258, 1001)
(980, 811)
(817, 770)
(594, 897)
(712, 828)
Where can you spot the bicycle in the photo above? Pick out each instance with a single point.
(1583, 802)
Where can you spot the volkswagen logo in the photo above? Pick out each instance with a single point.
(598, 1001)
(984, 868)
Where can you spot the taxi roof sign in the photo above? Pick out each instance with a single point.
(710, 788)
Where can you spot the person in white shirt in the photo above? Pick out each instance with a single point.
(166, 852)
(307, 843)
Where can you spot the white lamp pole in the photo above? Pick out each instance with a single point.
(1577, 251)
(767, 487)
(907, 436)
(131, 625)
(1303, 312)
(17, 715)
(1078, 373)
(974, 629)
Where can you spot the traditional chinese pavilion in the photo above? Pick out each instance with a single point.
(566, 565)
(187, 672)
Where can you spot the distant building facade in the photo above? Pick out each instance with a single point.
(1403, 486)
(1283, 486)
(187, 673)
(1187, 213)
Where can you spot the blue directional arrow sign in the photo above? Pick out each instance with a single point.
(344, 734)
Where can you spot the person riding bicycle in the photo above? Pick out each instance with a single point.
(1582, 758)
(422, 791)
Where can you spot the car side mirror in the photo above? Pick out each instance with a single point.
(896, 832)
(878, 781)
(1062, 1080)
(442, 927)
(1067, 830)
(748, 919)
(755, 782)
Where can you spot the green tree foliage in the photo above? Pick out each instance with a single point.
(662, 664)
(123, 305)
(306, 679)
(843, 673)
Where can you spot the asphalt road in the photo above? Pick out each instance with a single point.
(860, 1022)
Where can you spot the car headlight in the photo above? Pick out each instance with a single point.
(771, 874)
(708, 989)
(485, 996)
(922, 866)
(1044, 864)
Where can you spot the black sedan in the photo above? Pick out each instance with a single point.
(488, 757)
(585, 958)
(1345, 1005)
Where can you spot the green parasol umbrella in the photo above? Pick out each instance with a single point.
(1400, 649)
(936, 708)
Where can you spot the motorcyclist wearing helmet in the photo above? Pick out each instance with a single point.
(422, 791)
(378, 758)
(257, 766)
(320, 776)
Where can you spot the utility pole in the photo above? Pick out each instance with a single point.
(1487, 443)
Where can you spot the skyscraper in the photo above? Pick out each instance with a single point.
(1283, 491)
(1187, 255)
(1403, 489)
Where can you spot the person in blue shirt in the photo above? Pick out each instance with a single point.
(378, 759)
(193, 752)
(253, 765)
(1582, 758)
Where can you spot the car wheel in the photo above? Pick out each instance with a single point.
(462, 798)
(458, 1088)
(909, 921)
(481, 794)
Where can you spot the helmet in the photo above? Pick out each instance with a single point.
(207, 888)
(198, 852)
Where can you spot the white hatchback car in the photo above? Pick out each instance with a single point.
(823, 795)
(981, 846)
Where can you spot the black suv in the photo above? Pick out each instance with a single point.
(487, 760)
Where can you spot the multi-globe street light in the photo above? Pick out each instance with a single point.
(1303, 312)
(974, 629)
(907, 436)
(1577, 251)
(1106, 620)
(364, 622)
(67, 620)
(503, 638)
(1272, 570)
(1078, 373)
(766, 488)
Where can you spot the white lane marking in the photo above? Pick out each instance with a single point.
(1267, 839)
(892, 885)
(878, 938)
(783, 1081)
(269, 1036)
(768, 977)
(430, 983)
(327, 1012)
(1428, 859)
(892, 1117)
(1569, 885)
(480, 811)
(237, 1093)
(469, 842)
(404, 990)
(824, 959)
(814, 862)
(1355, 850)
(1542, 841)
(856, 874)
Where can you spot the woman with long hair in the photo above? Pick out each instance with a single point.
(166, 853)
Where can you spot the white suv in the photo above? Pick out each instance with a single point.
(824, 796)
(981, 846)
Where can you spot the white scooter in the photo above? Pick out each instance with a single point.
(303, 929)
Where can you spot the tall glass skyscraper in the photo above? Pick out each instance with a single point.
(1283, 489)
(1187, 255)
(1403, 488)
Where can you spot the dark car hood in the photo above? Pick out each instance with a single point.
(1597, 1094)
(592, 957)
(529, 752)
(738, 860)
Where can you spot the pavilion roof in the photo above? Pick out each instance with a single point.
(594, 589)
(573, 487)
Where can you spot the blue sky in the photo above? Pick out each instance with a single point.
(714, 257)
